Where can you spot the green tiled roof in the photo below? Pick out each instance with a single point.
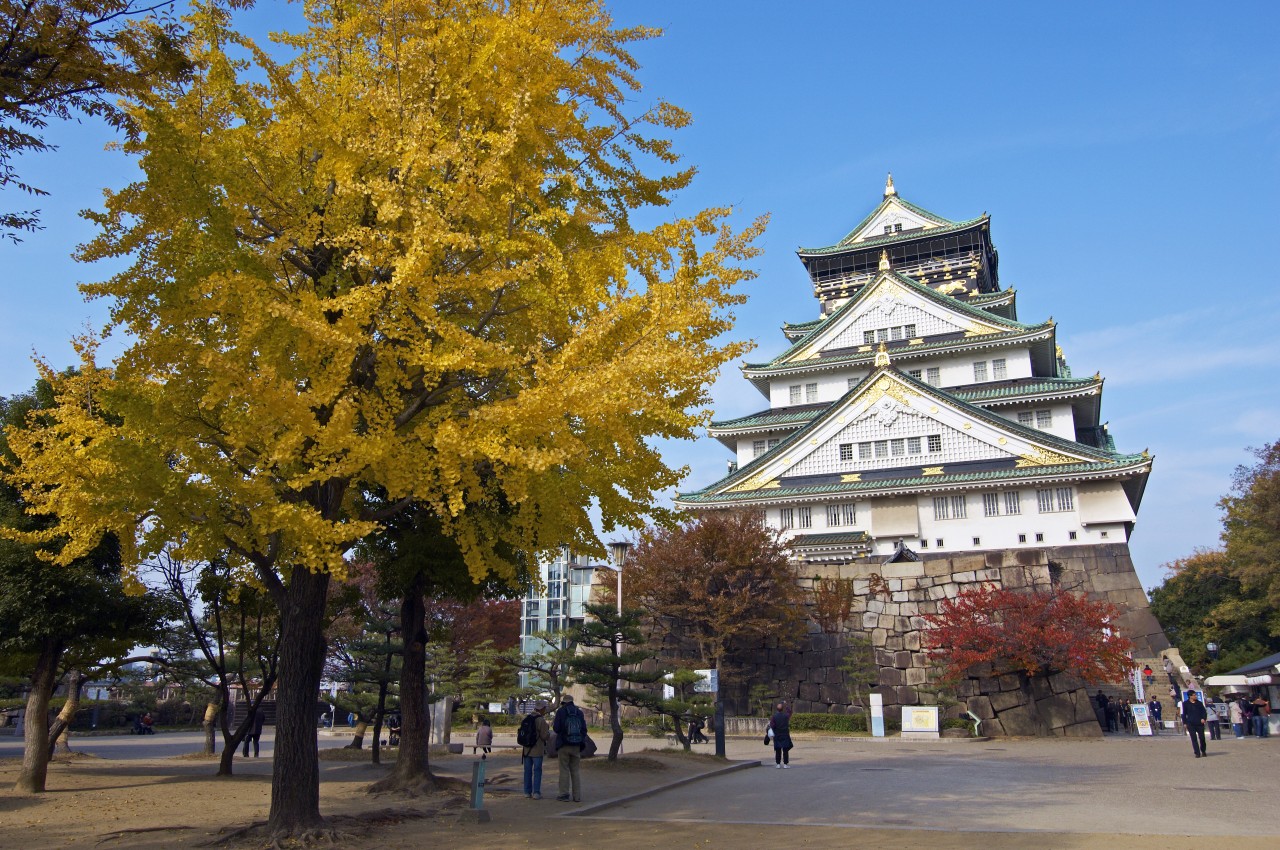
(798, 415)
(1044, 385)
(1103, 459)
(890, 238)
(987, 297)
(928, 292)
(772, 494)
(834, 538)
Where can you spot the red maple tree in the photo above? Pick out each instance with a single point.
(1037, 632)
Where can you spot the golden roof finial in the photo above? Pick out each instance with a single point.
(884, 260)
(889, 191)
(882, 355)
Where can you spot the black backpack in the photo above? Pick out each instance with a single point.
(527, 736)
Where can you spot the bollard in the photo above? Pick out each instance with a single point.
(476, 812)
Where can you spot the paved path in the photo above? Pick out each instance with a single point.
(1118, 785)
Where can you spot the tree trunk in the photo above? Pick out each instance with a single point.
(357, 737)
(210, 717)
(58, 732)
(615, 720)
(35, 751)
(412, 769)
(295, 774)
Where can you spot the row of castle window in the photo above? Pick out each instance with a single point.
(1050, 501)
(1022, 538)
(893, 228)
(999, 370)
(845, 514)
(759, 447)
(888, 334)
(891, 448)
(810, 393)
(1041, 419)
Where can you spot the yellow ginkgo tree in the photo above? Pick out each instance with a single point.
(404, 260)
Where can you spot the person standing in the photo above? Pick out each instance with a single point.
(484, 736)
(1261, 711)
(1215, 728)
(1236, 716)
(1193, 718)
(570, 726)
(257, 718)
(780, 723)
(1154, 708)
(534, 753)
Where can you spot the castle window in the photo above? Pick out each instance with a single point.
(888, 228)
(845, 514)
(1044, 501)
(991, 504)
(773, 442)
(882, 448)
(908, 331)
(1044, 419)
(864, 451)
(1039, 538)
(897, 228)
(938, 543)
(977, 541)
(1022, 538)
(846, 451)
(868, 337)
(897, 448)
(915, 373)
(795, 393)
(958, 507)
(1065, 500)
(935, 443)
(810, 393)
(757, 448)
(895, 332)
(980, 370)
(853, 382)
(999, 371)
(1103, 534)
(1026, 417)
(787, 518)
(882, 335)
(933, 376)
(913, 445)
(1011, 505)
(850, 513)
(924, 544)
(940, 508)
(1071, 535)
(833, 516)
(805, 517)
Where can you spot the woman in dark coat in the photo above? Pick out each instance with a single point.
(780, 723)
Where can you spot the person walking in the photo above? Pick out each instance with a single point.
(1236, 715)
(535, 752)
(1193, 718)
(257, 718)
(780, 724)
(570, 726)
(484, 736)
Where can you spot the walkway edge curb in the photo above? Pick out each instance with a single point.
(657, 789)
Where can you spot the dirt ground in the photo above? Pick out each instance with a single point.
(150, 804)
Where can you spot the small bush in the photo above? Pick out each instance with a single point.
(957, 723)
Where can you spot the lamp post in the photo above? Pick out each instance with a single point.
(618, 548)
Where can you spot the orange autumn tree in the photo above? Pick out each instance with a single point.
(1036, 632)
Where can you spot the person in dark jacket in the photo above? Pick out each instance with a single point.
(780, 723)
(256, 721)
(570, 727)
(1194, 718)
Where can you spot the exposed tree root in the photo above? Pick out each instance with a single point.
(338, 831)
(418, 786)
(111, 836)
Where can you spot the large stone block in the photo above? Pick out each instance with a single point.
(1002, 701)
(911, 641)
(870, 620)
(917, 676)
(981, 706)
(907, 695)
(1010, 682)
(963, 563)
(1089, 729)
(1058, 712)
(966, 577)
(894, 643)
(902, 660)
(1019, 720)
(903, 569)
(891, 677)
(809, 691)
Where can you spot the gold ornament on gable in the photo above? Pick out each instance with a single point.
(1043, 457)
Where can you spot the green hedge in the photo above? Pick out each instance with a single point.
(828, 723)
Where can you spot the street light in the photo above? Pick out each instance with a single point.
(619, 549)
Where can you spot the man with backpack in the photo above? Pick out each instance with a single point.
(532, 736)
(570, 726)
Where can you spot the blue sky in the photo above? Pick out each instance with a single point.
(1127, 153)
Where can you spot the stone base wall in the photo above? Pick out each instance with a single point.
(891, 620)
